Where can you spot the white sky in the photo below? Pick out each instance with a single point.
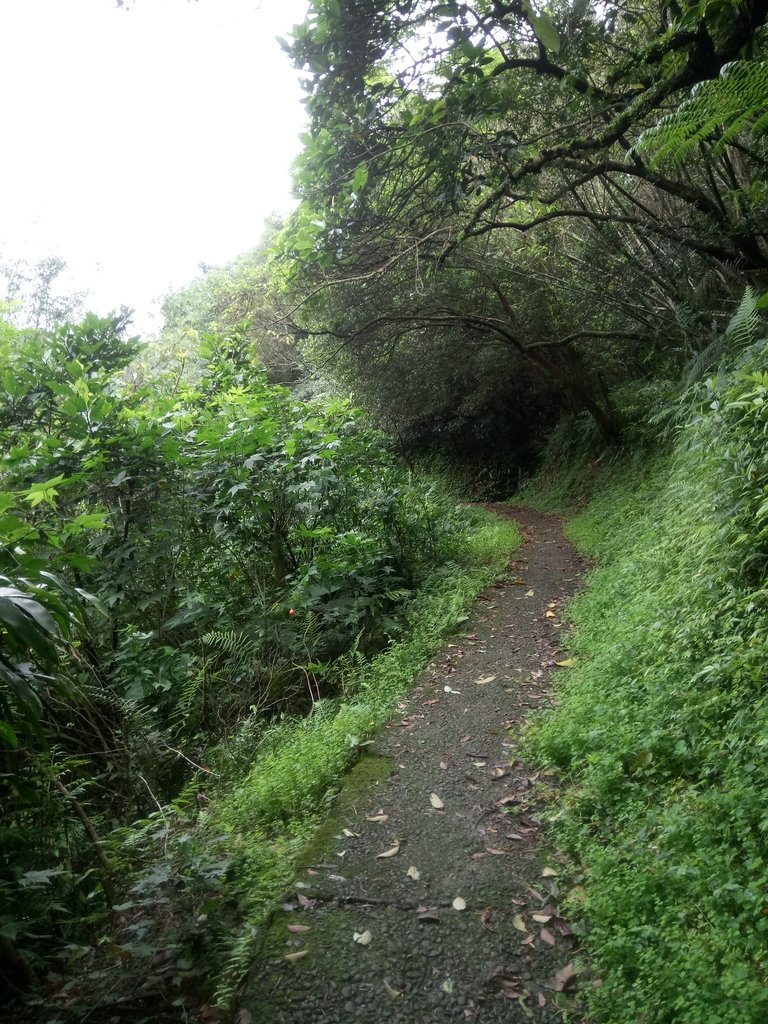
(140, 142)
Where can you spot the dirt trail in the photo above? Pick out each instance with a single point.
(454, 736)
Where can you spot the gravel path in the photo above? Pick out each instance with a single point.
(442, 810)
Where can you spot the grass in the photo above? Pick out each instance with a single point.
(662, 726)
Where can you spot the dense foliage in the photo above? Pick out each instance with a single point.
(532, 203)
(663, 720)
(178, 559)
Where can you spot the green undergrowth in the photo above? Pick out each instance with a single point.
(266, 818)
(662, 725)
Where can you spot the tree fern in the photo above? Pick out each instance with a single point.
(717, 110)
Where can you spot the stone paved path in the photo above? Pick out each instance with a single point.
(444, 788)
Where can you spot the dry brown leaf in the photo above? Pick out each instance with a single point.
(299, 928)
(413, 873)
(549, 873)
(362, 938)
(352, 835)
(293, 957)
(444, 766)
(378, 817)
(388, 853)
(529, 593)
(519, 923)
(565, 978)
(485, 919)
(436, 802)
(547, 936)
(484, 679)
(549, 615)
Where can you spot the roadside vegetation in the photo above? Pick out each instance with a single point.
(212, 592)
(662, 719)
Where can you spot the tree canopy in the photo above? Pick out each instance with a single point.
(580, 184)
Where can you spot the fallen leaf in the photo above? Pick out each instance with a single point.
(541, 918)
(565, 978)
(568, 663)
(413, 873)
(444, 766)
(485, 919)
(391, 992)
(352, 835)
(495, 852)
(542, 999)
(436, 802)
(299, 928)
(306, 903)
(549, 615)
(549, 873)
(547, 936)
(447, 986)
(479, 764)
(529, 593)
(388, 853)
(293, 957)
(362, 938)
(499, 773)
(428, 916)
(459, 904)
(484, 679)
(378, 817)
(336, 878)
(519, 923)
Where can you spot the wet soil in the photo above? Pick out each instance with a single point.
(444, 788)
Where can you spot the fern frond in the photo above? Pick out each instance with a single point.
(703, 360)
(745, 322)
(742, 331)
(718, 110)
(236, 645)
(187, 698)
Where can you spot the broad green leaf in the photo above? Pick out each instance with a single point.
(544, 28)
